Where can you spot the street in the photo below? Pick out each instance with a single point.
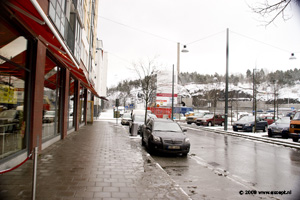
(227, 167)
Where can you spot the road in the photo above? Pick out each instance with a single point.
(228, 167)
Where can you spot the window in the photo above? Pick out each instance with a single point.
(72, 105)
(13, 73)
(57, 14)
(51, 108)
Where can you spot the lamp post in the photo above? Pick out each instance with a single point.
(226, 86)
(172, 93)
(184, 50)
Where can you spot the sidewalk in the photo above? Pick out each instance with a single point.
(99, 161)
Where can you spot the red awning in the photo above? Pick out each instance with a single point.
(25, 11)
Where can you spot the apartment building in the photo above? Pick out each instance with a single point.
(47, 73)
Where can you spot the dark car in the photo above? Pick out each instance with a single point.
(246, 123)
(166, 136)
(280, 127)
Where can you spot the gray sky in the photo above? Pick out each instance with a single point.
(132, 30)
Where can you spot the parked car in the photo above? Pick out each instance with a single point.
(126, 118)
(269, 119)
(193, 118)
(10, 119)
(140, 120)
(49, 116)
(246, 123)
(280, 127)
(295, 127)
(166, 136)
(211, 120)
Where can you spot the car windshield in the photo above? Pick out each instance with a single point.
(139, 118)
(127, 115)
(284, 120)
(8, 114)
(247, 119)
(297, 116)
(166, 126)
(199, 114)
(208, 116)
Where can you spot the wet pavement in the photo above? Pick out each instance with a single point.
(222, 166)
(99, 161)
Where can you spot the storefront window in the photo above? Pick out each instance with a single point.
(51, 108)
(13, 50)
(82, 102)
(71, 113)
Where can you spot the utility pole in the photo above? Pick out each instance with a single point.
(173, 93)
(254, 100)
(226, 87)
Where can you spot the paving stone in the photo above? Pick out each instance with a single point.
(99, 161)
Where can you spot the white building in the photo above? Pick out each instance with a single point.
(100, 73)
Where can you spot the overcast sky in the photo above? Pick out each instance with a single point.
(134, 30)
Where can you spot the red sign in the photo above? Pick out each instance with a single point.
(165, 95)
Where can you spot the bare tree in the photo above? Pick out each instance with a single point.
(146, 72)
(270, 11)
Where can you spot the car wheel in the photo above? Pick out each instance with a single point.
(285, 135)
(188, 122)
(235, 129)
(184, 154)
(222, 124)
(149, 147)
(143, 142)
(295, 139)
(270, 134)
(209, 124)
(265, 129)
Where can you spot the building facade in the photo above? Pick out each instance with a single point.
(47, 59)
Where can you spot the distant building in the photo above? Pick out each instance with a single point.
(100, 75)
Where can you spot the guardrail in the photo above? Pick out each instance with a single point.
(246, 136)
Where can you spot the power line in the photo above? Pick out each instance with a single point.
(206, 37)
(136, 29)
(261, 42)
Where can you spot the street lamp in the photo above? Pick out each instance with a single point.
(292, 56)
(184, 50)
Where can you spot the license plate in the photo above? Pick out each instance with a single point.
(239, 126)
(173, 147)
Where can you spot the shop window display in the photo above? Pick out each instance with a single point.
(13, 53)
(72, 106)
(51, 105)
